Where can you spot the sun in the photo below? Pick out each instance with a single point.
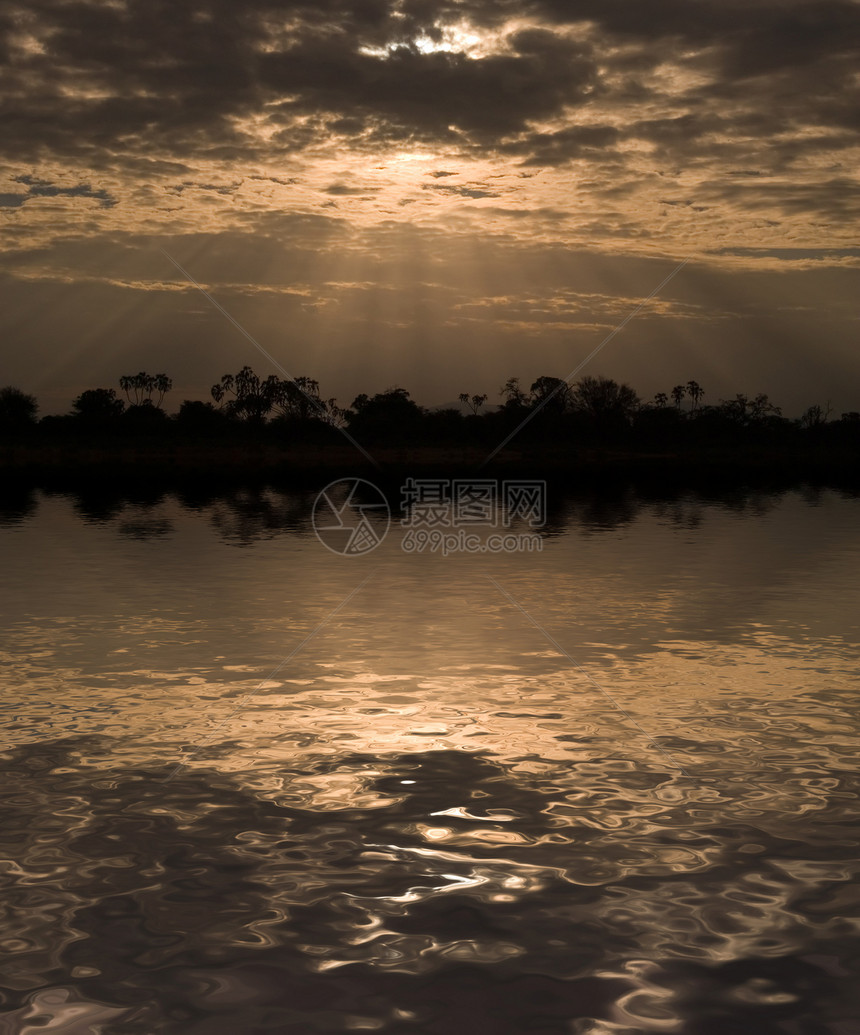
(455, 38)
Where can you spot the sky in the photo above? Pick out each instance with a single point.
(432, 194)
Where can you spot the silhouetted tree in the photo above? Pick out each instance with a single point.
(145, 418)
(389, 415)
(299, 399)
(143, 385)
(815, 416)
(515, 398)
(98, 404)
(17, 410)
(292, 399)
(661, 400)
(745, 411)
(552, 394)
(252, 397)
(607, 405)
(695, 391)
(195, 415)
(762, 408)
(474, 402)
(678, 393)
(736, 410)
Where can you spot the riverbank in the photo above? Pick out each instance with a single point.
(122, 462)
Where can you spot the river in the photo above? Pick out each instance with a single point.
(254, 785)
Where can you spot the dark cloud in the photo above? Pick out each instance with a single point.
(463, 192)
(225, 189)
(836, 199)
(561, 147)
(343, 190)
(437, 95)
(217, 188)
(792, 254)
(531, 214)
(82, 77)
(274, 179)
(749, 37)
(37, 188)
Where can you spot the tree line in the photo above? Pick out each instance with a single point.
(593, 409)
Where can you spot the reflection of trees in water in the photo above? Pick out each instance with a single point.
(608, 506)
(99, 506)
(248, 513)
(620, 504)
(242, 515)
(145, 528)
(18, 502)
(104, 502)
(198, 906)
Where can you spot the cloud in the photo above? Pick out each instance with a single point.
(463, 192)
(548, 82)
(217, 188)
(795, 254)
(677, 126)
(37, 188)
(343, 190)
(560, 147)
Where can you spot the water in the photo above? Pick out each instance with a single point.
(253, 786)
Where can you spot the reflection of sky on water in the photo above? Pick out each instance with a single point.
(428, 813)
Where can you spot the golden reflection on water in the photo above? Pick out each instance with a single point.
(736, 708)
